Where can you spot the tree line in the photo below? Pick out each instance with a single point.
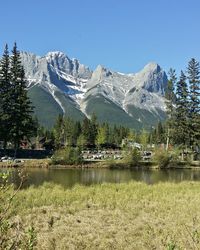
(183, 107)
(182, 127)
(16, 110)
(88, 133)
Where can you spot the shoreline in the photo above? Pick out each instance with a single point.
(45, 163)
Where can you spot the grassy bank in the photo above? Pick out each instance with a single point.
(112, 216)
(46, 163)
(37, 163)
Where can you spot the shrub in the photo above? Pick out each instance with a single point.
(69, 156)
(162, 158)
(133, 157)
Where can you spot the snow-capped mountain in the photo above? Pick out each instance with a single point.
(58, 84)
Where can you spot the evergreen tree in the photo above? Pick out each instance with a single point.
(68, 131)
(131, 135)
(194, 84)
(89, 130)
(76, 131)
(81, 141)
(114, 135)
(5, 91)
(93, 128)
(144, 139)
(169, 92)
(22, 123)
(85, 128)
(182, 111)
(102, 136)
(59, 131)
(170, 97)
(160, 132)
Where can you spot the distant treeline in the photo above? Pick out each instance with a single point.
(89, 134)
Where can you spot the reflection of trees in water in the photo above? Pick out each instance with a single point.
(92, 176)
(70, 177)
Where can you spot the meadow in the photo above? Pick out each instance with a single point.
(111, 216)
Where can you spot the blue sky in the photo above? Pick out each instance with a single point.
(121, 35)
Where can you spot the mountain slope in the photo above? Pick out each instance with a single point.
(46, 108)
(140, 96)
(57, 84)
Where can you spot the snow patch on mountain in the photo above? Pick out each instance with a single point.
(56, 72)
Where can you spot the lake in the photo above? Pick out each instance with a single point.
(70, 177)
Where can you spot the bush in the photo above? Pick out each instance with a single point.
(69, 156)
(133, 157)
(162, 158)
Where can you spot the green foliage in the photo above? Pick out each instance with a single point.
(132, 135)
(169, 92)
(81, 141)
(5, 107)
(59, 132)
(68, 156)
(31, 238)
(171, 246)
(16, 121)
(88, 133)
(102, 135)
(183, 124)
(89, 130)
(165, 158)
(162, 158)
(181, 133)
(158, 134)
(194, 117)
(170, 106)
(66, 132)
(143, 138)
(12, 234)
(132, 157)
(22, 124)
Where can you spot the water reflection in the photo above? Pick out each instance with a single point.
(70, 177)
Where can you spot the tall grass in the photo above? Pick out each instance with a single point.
(112, 216)
(13, 234)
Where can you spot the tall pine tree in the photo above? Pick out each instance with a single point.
(170, 97)
(5, 92)
(22, 123)
(194, 84)
(181, 135)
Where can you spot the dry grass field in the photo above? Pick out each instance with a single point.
(112, 216)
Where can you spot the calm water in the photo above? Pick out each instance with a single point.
(70, 177)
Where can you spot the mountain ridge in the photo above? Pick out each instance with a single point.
(76, 89)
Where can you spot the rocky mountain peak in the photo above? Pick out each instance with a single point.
(151, 78)
(72, 85)
(101, 72)
(53, 54)
(151, 67)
